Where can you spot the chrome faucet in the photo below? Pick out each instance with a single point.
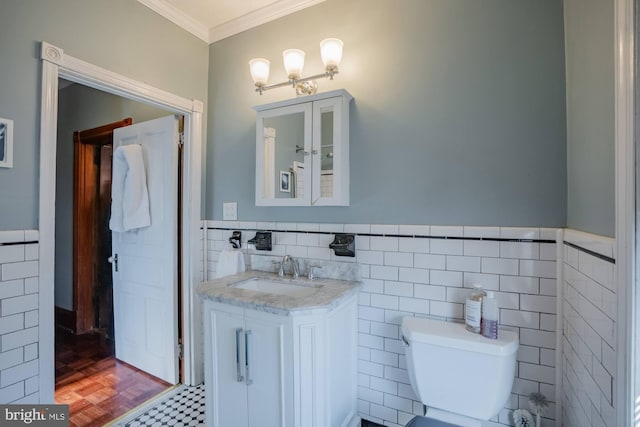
(294, 263)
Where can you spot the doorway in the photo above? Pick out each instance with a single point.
(56, 64)
(90, 377)
(92, 277)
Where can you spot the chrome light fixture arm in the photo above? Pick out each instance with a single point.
(296, 82)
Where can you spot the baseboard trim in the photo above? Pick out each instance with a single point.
(65, 319)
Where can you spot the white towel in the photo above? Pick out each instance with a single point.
(230, 261)
(129, 194)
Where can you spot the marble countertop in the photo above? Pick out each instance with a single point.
(328, 294)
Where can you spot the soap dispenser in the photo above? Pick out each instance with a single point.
(490, 316)
(473, 310)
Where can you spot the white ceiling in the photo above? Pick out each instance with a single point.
(213, 20)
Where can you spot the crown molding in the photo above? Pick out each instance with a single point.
(258, 17)
(179, 18)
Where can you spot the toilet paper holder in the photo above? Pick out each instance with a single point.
(236, 239)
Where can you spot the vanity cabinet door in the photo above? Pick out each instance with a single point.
(226, 390)
(248, 368)
(270, 371)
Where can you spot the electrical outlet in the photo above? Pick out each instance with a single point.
(230, 211)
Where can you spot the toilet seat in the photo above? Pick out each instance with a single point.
(451, 418)
(419, 421)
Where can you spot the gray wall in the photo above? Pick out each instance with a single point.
(81, 108)
(121, 35)
(589, 35)
(458, 116)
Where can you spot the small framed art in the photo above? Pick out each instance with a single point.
(285, 182)
(6, 143)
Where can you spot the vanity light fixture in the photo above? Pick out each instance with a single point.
(331, 52)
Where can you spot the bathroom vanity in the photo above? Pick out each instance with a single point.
(280, 352)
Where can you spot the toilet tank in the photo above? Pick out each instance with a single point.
(458, 371)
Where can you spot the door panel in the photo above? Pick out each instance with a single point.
(145, 279)
(229, 406)
(266, 394)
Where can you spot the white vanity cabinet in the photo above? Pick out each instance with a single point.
(302, 151)
(271, 370)
(246, 379)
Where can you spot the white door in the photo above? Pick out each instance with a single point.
(145, 277)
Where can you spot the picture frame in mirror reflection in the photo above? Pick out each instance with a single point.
(285, 182)
(6, 143)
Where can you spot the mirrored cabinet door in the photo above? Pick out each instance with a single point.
(283, 147)
(329, 154)
(302, 151)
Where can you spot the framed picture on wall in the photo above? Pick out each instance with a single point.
(6, 143)
(285, 182)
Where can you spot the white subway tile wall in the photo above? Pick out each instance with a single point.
(404, 275)
(326, 183)
(19, 316)
(589, 339)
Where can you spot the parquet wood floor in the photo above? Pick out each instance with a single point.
(97, 387)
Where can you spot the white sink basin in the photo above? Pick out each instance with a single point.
(276, 287)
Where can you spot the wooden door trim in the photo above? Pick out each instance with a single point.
(83, 218)
(90, 135)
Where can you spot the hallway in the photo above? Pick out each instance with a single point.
(97, 387)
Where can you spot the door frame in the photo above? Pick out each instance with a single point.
(625, 188)
(56, 64)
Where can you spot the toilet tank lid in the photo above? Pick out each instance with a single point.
(455, 335)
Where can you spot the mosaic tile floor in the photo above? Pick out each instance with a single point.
(181, 407)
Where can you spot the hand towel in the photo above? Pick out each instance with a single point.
(129, 193)
(230, 261)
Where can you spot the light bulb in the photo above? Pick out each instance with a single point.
(259, 71)
(293, 62)
(331, 51)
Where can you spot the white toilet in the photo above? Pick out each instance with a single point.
(463, 378)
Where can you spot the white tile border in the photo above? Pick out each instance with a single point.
(19, 236)
(402, 230)
(11, 236)
(599, 244)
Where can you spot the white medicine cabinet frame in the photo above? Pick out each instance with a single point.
(302, 151)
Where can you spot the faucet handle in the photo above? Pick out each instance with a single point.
(281, 270)
(296, 268)
(311, 275)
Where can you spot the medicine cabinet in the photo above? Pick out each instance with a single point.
(302, 151)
